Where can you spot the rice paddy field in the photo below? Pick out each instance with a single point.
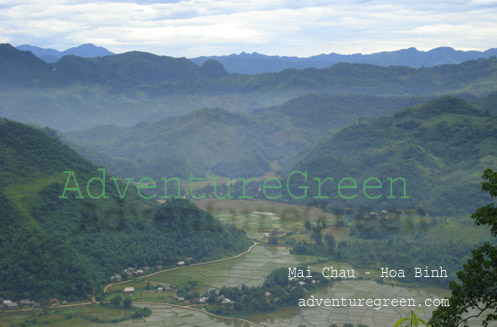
(257, 218)
(250, 270)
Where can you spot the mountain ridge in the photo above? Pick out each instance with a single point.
(440, 147)
(87, 50)
(69, 247)
(256, 63)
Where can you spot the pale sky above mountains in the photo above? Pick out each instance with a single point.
(281, 27)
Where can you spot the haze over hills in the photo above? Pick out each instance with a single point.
(441, 149)
(215, 141)
(51, 55)
(76, 93)
(255, 63)
(139, 114)
(206, 141)
(67, 248)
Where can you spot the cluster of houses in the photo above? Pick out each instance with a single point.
(23, 304)
(131, 271)
(27, 304)
(130, 291)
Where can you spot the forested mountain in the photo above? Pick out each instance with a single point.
(206, 141)
(440, 148)
(228, 144)
(317, 114)
(76, 93)
(66, 248)
(51, 55)
(255, 63)
(488, 103)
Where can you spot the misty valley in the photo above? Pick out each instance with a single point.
(146, 190)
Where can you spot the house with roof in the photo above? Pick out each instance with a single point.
(12, 306)
(129, 291)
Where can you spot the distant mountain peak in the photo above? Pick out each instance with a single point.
(87, 50)
(213, 69)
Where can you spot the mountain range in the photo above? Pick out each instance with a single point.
(440, 148)
(216, 141)
(76, 93)
(256, 63)
(51, 55)
(139, 114)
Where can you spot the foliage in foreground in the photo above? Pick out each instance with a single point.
(477, 290)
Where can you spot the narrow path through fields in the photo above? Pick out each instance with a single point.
(183, 267)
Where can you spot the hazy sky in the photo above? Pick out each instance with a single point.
(302, 28)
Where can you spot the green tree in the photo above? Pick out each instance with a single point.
(127, 302)
(116, 300)
(317, 236)
(477, 290)
(307, 225)
(330, 241)
(411, 320)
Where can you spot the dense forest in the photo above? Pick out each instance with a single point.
(438, 148)
(67, 248)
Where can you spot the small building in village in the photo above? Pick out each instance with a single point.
(12, 306)
(129, 291)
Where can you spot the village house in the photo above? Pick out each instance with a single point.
(116, 278)
(130, 271)
(129, 291)
(12, 306)
(202, 300)
(180, 263)
(54, 302)
(226, 302)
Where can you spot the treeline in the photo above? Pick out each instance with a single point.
(276, 292)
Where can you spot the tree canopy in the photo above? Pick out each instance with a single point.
(476, 293)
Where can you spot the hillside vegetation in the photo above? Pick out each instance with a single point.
(67, 248)
(440, 148)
